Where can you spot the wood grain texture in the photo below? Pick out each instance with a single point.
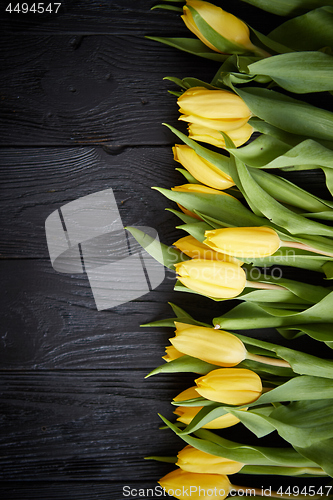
(37, 181)
(56, 90)
(96, 424)
(50, 321)
(93, 424)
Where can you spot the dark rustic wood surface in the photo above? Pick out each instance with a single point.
(82, 102)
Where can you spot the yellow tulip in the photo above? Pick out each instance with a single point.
(197, 250)
(216, 109)
(224, 23)
(201, 169)
(184, 485)
(213, 346)
(232, 386)
(213, 278)
(244, 242)
(190, 393)
(196, 188)
(172, 353)
(192, 460)
(187, 413)
(204, 134)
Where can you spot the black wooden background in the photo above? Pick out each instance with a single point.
(82, 105)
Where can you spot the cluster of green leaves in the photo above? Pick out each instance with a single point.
(298, 407)
(293, 61)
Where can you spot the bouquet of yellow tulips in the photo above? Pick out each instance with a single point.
(241, 219)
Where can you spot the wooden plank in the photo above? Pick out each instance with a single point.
(94, 424)
(99, 90)
(61, 427)
(49, 320)
(100, 424)
(37, 181)
(121, 17)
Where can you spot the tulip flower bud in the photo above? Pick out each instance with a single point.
(197, 250)
(187, 413)
(192, 460)
(190, 393)
(201, 169)
(213, 278)
(204, 134)
(183, 485)
(232, 386)
(196, 188)
(217, 109)
(244, 242)
(171, 354)
(213, 346)
(225, 24)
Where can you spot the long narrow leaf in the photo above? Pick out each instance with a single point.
(286, 113)
(311, 31)
(299, 72)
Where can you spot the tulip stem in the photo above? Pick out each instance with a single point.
(267, 360)
(263, 286)
(261, 52)
(302, 246)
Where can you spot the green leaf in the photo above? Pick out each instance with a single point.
(167, 7)
(329, 178)
(321, 453)
(209, 442)
(328, 270)
(191, 46)
(293, 257)
(288, 7)
(275, 211)
(183, 364)
(252, 454)
(311, 31)
(170, 460)
(285, 137)
(249, 315)
(168, 256)
(302, 388)
(289, 193)
(177, 81)
(261, 151)
(197, 229)
(184, 217)
(301, 363)
(283, 471)
(327, 215)
(266, 42)
(312, 419)
(301, 423)
(299, 72)
(317, 331)
(188, 176)
(286, 113)
(270, 152)
(213, 205)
